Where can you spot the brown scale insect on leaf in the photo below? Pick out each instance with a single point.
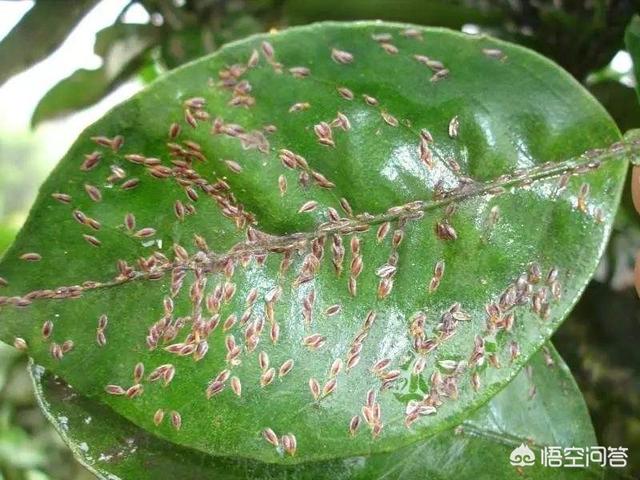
(341, 56)
(31, 257)
(273, 237)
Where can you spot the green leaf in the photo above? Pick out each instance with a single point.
(506, 205)
(451, 14)
(579, 36)
(7, 234)
(37, 35)
(524, 412)
(195, 41)
(122, 47)
(632, 42)
(620, 101)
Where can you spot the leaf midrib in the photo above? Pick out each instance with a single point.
(212, 261)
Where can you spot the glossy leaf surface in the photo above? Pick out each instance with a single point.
(542, 406)
(468, 226)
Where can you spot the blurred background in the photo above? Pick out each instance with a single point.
(64, 63)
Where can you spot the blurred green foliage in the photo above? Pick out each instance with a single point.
(599, 340)
(30, 448)
(581, 36)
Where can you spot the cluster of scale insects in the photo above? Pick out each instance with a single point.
(531, 289)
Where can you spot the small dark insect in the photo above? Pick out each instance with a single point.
(439, 75)
(235, 167)
(138, 372)
(267, 377)
(130, 221)
(369, 100)
(389, 48)
(314, 341)
(307, 207)
(514, 350)
(381, 365)
(494, 53)
(176, 420)
(582, 197)
(382, 37)
(62, 197)
(31, 257)
(454, 126)
(145, 232)
(236, 386)
(314, 387)
(179, 209)
(158, 416)
(91, 240)
(47, 329)
(114, 143)
(115, 390)
(174, 130)
(67, 346)
(135, 390)
(299, 107)
(300, 72)
(412, 33)
(345, 93)
(389, 119)
(289, 443)
(285, 368)
(56, 351)
(445, 231)
(91, 161)
(535, 274)
(282, 184)
(324, 134)
(268, 50)
(475, 381)
(346, 207)
(341, 56)
(254, 58)
(333, 310)
(130, 184)
(329, 387)
(438, 270)
(271, 437)
(336, 367)
(263, 361)
(354, 425)
(190, 118)
(93, 192)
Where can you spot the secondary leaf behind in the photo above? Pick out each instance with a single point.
(329, 111)
(526, 411)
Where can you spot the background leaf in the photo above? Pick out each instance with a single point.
(580, 36)
(620, 101)
(451, 14)
(541, 405)
(42, 35)
(632, 40)
(509, 214)
(123, 48)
